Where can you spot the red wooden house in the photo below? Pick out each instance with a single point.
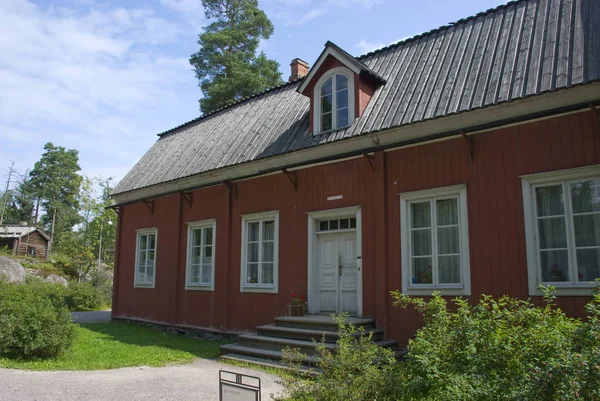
(464, 160)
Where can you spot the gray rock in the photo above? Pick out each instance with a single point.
(11, 270)
(53, 278)
(208, 335)
(218, 337)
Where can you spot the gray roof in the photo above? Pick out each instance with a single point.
(19, 231)
(520, 49)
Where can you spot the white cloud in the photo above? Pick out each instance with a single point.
(97, 80)
(365, 46)
(300, 12)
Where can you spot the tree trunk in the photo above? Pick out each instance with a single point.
(37, 211)
(52, 230)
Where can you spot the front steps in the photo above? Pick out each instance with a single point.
(265, 347)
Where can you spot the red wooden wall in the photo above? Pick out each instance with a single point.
(496, 225)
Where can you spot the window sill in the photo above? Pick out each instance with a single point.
(576, 290)
(444, 291)
(143, 285)
(260, 289)
(191, 287)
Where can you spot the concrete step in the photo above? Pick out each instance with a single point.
(273, 330)
(265, 354)
(306, 347)
(266, 363)
(320, 322)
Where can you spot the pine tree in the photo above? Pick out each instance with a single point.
(227, 66)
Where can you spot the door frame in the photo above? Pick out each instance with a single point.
(313, 254)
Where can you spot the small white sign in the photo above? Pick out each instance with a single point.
(336, 197)
(234, 393)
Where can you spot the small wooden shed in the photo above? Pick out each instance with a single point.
(25, 240)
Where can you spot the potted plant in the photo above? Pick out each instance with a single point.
(298, 305)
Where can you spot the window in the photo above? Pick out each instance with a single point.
(562, 214)
(260, 244)
(435, 244)
(334, 100)
(200, 266)
(145, 258)
(348, 223)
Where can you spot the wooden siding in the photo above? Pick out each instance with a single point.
(496, 225)
(33, 240)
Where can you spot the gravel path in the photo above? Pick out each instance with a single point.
(196, 381)
(97, 316)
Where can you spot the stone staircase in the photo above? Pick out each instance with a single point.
(266, 345)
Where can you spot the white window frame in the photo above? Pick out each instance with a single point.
(529, 183)
(195, 225)
(317, 100)
(261, 288)
(456, 191)
(137, 283)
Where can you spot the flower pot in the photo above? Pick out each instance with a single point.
(297, 310)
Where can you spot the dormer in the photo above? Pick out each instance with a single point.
(339, 87)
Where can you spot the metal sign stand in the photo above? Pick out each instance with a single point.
(238, 387)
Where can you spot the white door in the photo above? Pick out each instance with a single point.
(338, 275)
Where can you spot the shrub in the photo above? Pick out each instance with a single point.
(358, 370)
(31, 324)
(83, 296)
(504, 349)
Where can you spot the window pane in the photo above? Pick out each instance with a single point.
(323, 225)
(267, 273)
(588, 264)
(421, 242)
(342, 118)
(196, 254)
(151, 241)
(341, 98)
(326, 87)
(341, 81)
(252, 273)
(448, 241)
(448, 269)
(253, 231)
(208, 236)
(208, 253)
(587, 230)
(549, 201)
(344, 223)
(206, 274)
(552, 233)
(586, 196)
(149, 273)
(326, 104)
(447, 212)
(143, 241)
(420, 215)
(333, 224)
(253, 252)
(422, 271)
(269, 230)
(326, 122)
(195, 274)
(555, 265)
(141, 258)
(353, 222)
(268, 248)
(196, 237)
(150, 257)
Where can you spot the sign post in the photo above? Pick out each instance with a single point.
(238, 387)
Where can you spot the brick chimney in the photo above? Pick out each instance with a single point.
(299, 69)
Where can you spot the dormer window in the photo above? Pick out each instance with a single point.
(334, 96)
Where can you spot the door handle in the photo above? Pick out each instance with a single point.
(340, 266)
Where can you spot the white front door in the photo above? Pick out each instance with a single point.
(338, 273)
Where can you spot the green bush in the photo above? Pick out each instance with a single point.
(31, 324)
(358, 370)
(55, 292)
(504, 349)
(83, 296)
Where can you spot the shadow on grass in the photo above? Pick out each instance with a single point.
(147, 337)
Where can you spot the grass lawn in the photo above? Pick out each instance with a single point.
(117, 345)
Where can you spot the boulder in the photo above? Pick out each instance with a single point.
(11, 270)
(53, 278)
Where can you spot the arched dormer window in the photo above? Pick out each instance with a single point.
(334, 100)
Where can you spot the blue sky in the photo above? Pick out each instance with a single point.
(105, 77)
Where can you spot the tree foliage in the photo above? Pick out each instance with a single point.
(227, 65)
